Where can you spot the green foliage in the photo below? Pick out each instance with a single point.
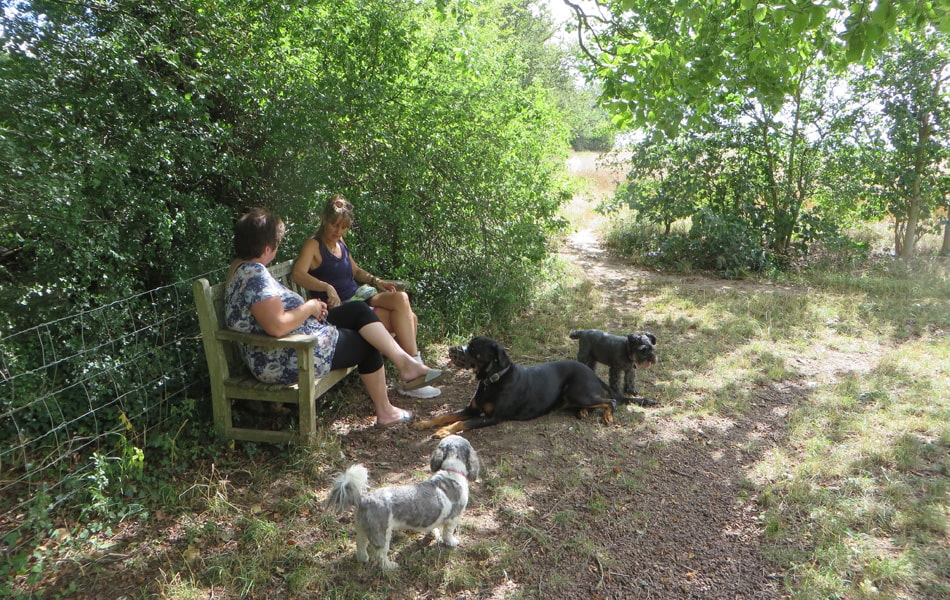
(113, 481)
(670, 180)
(717, 243)
(769, 73)
(152, 134)
(135, 133)
(595, 137)
(898, 162)
(726, 243)
(668, 64)
(591, 126)
(750, 177)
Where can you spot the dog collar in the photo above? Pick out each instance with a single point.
(494, 377)
(456, 471)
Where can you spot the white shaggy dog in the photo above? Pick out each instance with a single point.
(436, 503)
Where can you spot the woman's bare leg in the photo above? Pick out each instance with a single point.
(400, 320)
(375, 383)
(376, 334)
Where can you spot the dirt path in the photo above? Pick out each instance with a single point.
(688, 533)
(683, 529)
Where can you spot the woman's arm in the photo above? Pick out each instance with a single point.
(276, 321)
(309, 259)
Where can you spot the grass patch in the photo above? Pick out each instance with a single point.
(864, 480)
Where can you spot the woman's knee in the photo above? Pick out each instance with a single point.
(399, 301)
(362, 315)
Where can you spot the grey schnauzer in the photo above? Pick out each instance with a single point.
(622, 354)
(434, 504)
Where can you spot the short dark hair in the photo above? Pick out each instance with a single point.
(254, 231)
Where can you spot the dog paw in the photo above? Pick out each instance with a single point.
(644, 401)
(387, 565)
(450, 541)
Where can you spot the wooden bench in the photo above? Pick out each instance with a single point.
(231, 380)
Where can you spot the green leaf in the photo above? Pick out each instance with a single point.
(855, 46)
(748, 4)
(800, 23)
(874, 33)
(759, 14)
(881, 13)
(817, 15)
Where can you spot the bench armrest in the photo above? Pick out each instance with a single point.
(257, 339)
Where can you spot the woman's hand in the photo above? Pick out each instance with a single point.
(278, 322)
(386, 285)
(333, 299)
(320, 309)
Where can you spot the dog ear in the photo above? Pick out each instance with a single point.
(633, 342)
(651, 337)
(472, 464)
(438, 456)
(501, 357)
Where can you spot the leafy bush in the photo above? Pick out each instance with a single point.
(726, 247)
(135, 138)
(599, 139)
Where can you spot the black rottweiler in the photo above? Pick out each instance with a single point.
(509, 392)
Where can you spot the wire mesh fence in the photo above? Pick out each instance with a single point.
(78, 389)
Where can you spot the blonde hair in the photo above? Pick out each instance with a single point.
(337, 209)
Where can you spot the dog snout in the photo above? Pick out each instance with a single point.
(460, 357)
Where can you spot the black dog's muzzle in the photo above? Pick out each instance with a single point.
(460, 357)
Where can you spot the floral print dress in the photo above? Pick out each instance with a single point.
(252, 283)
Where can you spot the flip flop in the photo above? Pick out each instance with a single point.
(405, 418)
(431, 376)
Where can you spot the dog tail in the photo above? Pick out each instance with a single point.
(348, 487)
(617, 396)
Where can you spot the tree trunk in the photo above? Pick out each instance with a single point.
(915, 201)
(898, 235)
(945, 247)
(786, 216)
